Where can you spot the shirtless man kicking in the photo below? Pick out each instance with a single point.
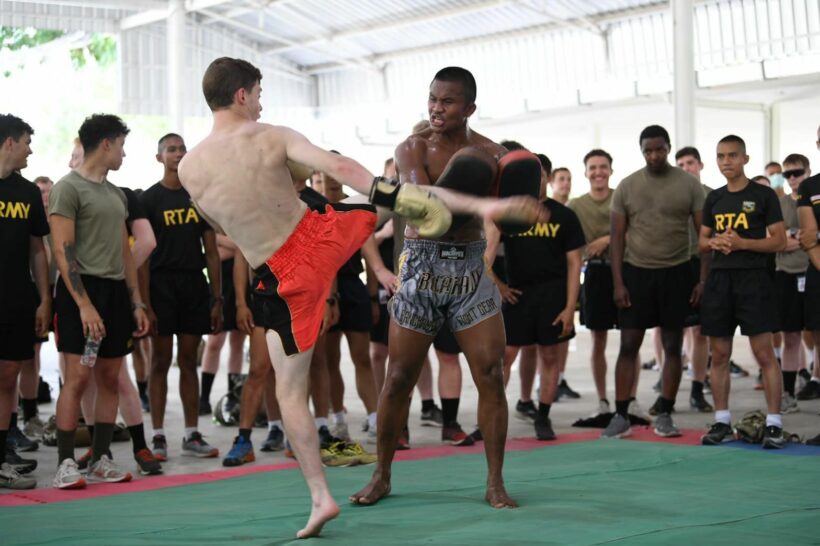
(238, 178)
(442, 279)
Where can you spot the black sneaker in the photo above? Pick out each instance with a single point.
(810, 392)
(564, 390)
(432, 417)
(19, 464)
(707, 386)
(326, 438)
(453, 434)
(526, 410)
(476, 435)
(700, 404)
(204, 407)
(773, 438)
(718, 433)
(543, 428)
(231, 402)
(275, 440)
(19, 442)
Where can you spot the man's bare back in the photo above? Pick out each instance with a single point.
(238, 178)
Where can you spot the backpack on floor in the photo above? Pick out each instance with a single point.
(751, 426)
(231, 418)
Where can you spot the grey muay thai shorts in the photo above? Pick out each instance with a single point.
(441, 282)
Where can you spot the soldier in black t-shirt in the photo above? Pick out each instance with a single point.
(808, 211)
(544, 267)
(22, 227)
(179, 300)
(739, 289)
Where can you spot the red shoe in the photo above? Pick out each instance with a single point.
(452, 434)
(85, 460)
(404, 440)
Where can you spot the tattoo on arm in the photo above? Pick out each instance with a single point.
(73, 269)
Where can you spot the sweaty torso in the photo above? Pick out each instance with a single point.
(436, 153)
(239, 180)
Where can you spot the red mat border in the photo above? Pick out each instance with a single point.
(49, 495)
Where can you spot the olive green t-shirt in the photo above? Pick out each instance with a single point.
(594, 218)
(658, 212)
(796, 261)
(693, 235)
(99, 211)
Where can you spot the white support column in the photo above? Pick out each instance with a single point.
(175, 31)
(684, 91)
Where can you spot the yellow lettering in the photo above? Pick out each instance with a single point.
(2, 206)
(542, 230)
(191, 217)
(719, 222)
(730, 218)
(169, 217)
(179, 215)
(554, 228)
(14, 210)
(742, 221)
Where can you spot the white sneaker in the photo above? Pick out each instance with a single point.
(68, 476)
(636, 410)
(34, 427)
(106, 471)
(372, 436)
(11, 479)
(603, 407)
(339, 430)
(788, 404)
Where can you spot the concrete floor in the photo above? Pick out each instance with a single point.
(744, 398)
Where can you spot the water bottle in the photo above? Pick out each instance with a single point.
(92, 347)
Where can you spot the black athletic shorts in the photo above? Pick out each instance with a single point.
(660, 297)
(530, 320)
(181, 301)
(598, 310)
(228, 296)
(111, 300)
(790, 292)
(445, 341)
(354, 305)
(811, 300)
(17, 339)
(379, 331)
(738, 297)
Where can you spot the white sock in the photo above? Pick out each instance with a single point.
(816, 379)
(723, 416)
(774, 420)
(560, 377)
(275, 424)
(778, 352)
(189, 431)
(320, 422)
(339, 417)
(371, 421)
(159, 432)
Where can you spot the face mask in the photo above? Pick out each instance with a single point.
(777, 180)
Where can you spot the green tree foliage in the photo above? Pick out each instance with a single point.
(101, 47)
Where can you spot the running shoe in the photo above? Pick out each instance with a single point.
(11, 479)
(147, 464)
(104, 470)
(240, 453)
(773, 438)
(159, 446)
(68, 476)
(543, 428)
(18, 441)
(737, 371)
(665, 428)
(526, 410)
(34, 427)
(333, 455)
(636, 409)
(650, 365)
(358, 453)
(603, 407)
(19, 464)
(454, 435)
(803, 378)
(810, 392)
(707, 386)
(289, 453)
(565, 391)
(700, 404)
(718, 434)
(404, 440)
(275, 440)
(476, 435)
(325, 437)
(788, 404)
(432, 417)
(618, 427)
(196, 446)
